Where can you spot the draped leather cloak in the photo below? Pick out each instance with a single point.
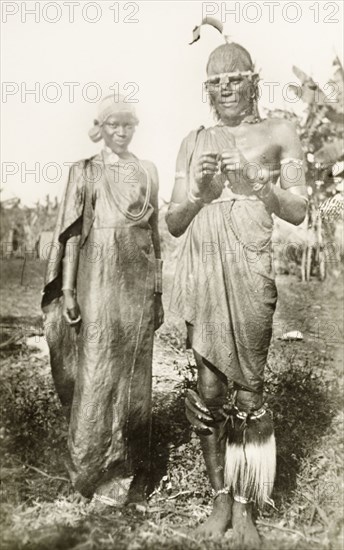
(224, 283)
(102, 368)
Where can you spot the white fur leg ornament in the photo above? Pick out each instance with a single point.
(250, 463)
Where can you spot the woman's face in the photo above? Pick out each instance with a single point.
(117, 132)
(231, 97)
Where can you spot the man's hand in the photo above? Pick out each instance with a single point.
(207, 188)
(70, 308)
(205, 169)
(158, 311)
(198, 414)
(237, 168)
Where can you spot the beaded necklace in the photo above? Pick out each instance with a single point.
(126, 213)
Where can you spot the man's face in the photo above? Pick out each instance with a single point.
(230, 96)
(117, 132)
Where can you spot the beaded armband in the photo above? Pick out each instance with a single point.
(290, 168)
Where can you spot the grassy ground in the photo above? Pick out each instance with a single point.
(304, 386)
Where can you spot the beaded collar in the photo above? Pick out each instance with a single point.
(248, 119)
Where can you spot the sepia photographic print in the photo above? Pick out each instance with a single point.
(171, 236)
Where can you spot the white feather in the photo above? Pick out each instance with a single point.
(251, 474)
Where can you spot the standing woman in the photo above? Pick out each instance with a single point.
(102, 304)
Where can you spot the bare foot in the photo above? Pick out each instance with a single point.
(77, 498)
(219, 519)
(100, 504)
(244, 530)
(137, 494)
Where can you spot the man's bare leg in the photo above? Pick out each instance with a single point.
(245, 531)
(220, 517)
(213, 391)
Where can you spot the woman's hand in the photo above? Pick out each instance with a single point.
(207, 188)
(70, 308)
(158, 311)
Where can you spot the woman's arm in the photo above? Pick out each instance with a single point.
(154, 223)
(70, 262)
(154, 219)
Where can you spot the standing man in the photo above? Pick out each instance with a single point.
(223, 199)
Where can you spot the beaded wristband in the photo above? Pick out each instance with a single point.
(195, 200)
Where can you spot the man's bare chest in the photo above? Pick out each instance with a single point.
(258, 145)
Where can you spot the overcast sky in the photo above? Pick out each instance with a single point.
(148, 56)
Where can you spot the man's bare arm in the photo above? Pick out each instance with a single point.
(189, 197)
(181, 210)
(289, 202)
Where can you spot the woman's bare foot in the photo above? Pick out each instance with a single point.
(219, 519)
(137, 494)
(101, 503)
(245, 532)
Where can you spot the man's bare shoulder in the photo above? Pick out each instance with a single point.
(280, 129)
(192, 136)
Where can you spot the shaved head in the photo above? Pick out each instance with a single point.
(228, 58)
